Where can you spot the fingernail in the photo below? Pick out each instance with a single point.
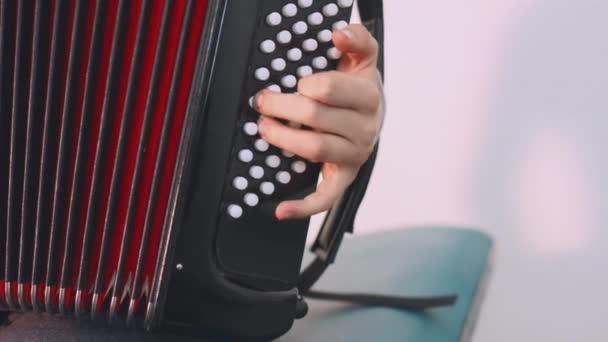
(348, 33)
(257, 100)
(262, 126)
(283, 213)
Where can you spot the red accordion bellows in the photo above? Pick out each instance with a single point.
(93, 96)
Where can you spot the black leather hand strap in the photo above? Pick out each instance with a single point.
(340, 219)
(398, 302)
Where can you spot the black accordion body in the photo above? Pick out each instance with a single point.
(133, 184)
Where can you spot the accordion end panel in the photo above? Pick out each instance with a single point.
(93, 100)
(246, 283)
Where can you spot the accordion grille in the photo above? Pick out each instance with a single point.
(92, 99)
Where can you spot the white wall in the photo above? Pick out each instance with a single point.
(498, 118)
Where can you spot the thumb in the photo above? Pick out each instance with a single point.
(335, 182)
(360, 49)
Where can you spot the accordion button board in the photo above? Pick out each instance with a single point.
(251, 249)
(295, 42)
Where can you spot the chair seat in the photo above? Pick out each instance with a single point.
(408, 262)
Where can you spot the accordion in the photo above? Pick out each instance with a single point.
(133, 184)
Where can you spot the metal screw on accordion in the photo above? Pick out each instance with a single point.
(179, 267)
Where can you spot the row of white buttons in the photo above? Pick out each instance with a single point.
(246, 156)
(279, 64)
(309, 45)
(263, 74)
(273, 161)
(266, 188)
(241, 183)
(341, 3)
(283, 177)
(250, 199)
(289, 81)
(295, 54)
(289, 10)
(251, 129)
(257, 172)
(236, 211)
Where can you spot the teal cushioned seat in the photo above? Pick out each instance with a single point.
(422, 261)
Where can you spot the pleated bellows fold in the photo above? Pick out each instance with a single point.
(93, 95)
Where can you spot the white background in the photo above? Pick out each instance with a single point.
(498, 119)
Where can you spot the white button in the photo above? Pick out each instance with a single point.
(319, 63)
(337, 26)
(289, 81)
(290, 10)
(257, 172)
(298, 166)
(273, 161)
(294, 54)
(315, 19)
(283, 177)
(240, 183)
(273, 19)
(251, 199)
(304, 3)
(334, 53)
(300, 27)
(235, 211)
(267, 188)
(261, 145)
(330, 10)
(274, 87)
(304, 71)
(288, 154)
(284, 37)
(250, 128)
(325, 36)
(262, 74)
(251, 101)
(310, 45)
(278, 64)
(246, 156)
(345, 3)
(268, 46)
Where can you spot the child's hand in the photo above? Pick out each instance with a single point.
(344, 109)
